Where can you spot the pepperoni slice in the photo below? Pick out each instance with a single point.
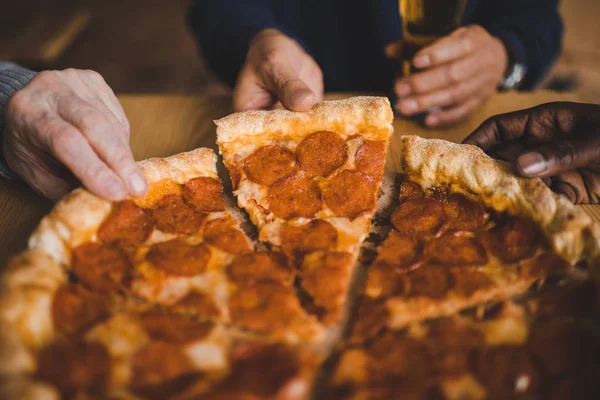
(317, 235)
(429, 281)
(294, 197)
(173, 215)
(157, 362)
(399, 251)
(128, 226)
(463, 213)
(174, 329)
(101, 267)
(253, 267)
(350, 193)
(370, 158)
(507, 372)
(178, 257)
(467, 281)
(321, 153)
(512, 239)
(397, 355)
(75, 366)
(455, 251)
(372, 317)
(544, 265)
(268, 164)
(325, 277)
(198, 304)
(410, 190)
(264, 306)
(75, 309)
(419, 217)
(260, 370)
(384, 281)
(204, 194)
(224, 234)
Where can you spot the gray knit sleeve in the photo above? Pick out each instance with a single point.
(12, 79)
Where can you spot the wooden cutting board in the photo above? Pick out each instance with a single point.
(162, 125)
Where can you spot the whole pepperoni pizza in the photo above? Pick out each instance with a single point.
(455, 289)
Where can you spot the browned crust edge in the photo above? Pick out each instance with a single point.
(467, 169)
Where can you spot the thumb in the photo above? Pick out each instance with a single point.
(292, 91)
(557, 157)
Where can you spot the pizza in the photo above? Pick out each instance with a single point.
(542, 347)
(310, 181)
(170, 296)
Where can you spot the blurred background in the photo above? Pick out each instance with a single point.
(146, 47)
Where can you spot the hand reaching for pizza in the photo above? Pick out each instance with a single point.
(277, 73)
(66, 126)
(460, 72)
(559, 142)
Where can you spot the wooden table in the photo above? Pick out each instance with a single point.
(163, 125)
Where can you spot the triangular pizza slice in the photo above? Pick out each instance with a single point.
(468, 231)
(310, 181)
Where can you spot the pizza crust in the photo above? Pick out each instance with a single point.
(76, 217)
(370, 116)
(468, 170)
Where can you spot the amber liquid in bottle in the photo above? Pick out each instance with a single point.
(424, 22)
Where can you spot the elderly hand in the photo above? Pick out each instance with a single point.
(66, 123)
(558, 142)
(460, 72)
(278, 72)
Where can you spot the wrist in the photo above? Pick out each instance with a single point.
(502, 57)
(5, 171)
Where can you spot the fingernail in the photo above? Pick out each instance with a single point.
(138, 184)
(115, 190)
(408, 106)
(422, 61)
(403, 89)
(532, 163)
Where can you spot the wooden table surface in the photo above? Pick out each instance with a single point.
(162, 125)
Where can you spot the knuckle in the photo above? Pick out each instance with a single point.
(20, 102)
(564, 152)
(467, 44)
(453, 73)
(418, 84)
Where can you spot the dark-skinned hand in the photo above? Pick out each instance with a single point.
(558, 142)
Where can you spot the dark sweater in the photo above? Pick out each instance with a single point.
(347, 37)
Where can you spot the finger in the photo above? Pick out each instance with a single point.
(98, 93)
(460, 43)
(499, 129)
(451, 95)
(105, 140)
(591, 177)
(72, 149)
(249, 94)
(454, 114)
(285, 83)
(558, 157)
(439, 77)
(571, 185)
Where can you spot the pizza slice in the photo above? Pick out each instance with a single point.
(467, 231)
(547, 346)
(59, 339)
(310, 181)
(177, 247)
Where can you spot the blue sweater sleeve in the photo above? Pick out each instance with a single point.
(531, 30)
(224, 29)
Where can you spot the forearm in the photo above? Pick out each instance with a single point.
(12, 79)
(531, 30)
